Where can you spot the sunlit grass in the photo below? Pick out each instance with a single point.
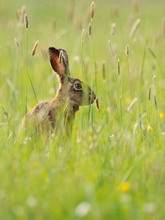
(112, 167)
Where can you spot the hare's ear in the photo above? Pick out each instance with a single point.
(59, 61)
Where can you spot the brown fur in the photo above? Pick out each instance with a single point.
(58, 114)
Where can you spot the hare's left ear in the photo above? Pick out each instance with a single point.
(59, 61)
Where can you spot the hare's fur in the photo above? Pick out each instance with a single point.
(59, 113)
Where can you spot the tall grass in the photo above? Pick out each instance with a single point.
(114, 170)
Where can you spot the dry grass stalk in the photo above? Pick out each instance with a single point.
(111, 48)
(113, 29)
(113, 51)
(34, 48)
(89, 29)
(118, 67)
(155, 102)
(139, 122)
(17, 43)
(127, 49)
(152, 52)
(95, 73)
(92, 10)
(153, 86)
(149, 93)
(82, 37)
(5, 112)
(26, 21)
(132, 104)
(135, 27)
(96, 68)
(143, 59)
(152, 90)
(103, 70)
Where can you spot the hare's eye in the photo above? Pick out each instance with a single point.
(77, 86)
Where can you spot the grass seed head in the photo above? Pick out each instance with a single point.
(92, 10)
(132, 104)
(97, 104)
(127, 49)
(34, 48)
(149, 93)
(135, 27)
(26, 21)
(155, 103)
(21, 13)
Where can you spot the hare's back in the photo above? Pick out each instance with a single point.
(40, 111)
(39, 116)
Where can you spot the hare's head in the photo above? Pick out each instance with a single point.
(71, 90)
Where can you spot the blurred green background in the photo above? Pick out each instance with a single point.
(112, 167)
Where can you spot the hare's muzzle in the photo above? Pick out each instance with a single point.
(88, 97)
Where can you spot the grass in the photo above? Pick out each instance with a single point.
(113, 167)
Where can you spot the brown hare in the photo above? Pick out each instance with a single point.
(58, 114)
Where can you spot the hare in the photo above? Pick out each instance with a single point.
(58, 114)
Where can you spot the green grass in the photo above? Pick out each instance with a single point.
(112, 167)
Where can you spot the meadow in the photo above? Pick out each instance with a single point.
(112, 166)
